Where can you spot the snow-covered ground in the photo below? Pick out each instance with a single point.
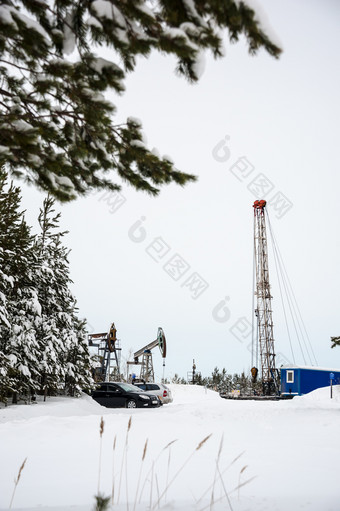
(286, 452)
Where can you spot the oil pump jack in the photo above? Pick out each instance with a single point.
(108, 350)
(263, 311)
(147, 372)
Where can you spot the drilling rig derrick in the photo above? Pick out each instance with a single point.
(263, 311)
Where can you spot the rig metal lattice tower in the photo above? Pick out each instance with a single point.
(263, 309)
(109, 354)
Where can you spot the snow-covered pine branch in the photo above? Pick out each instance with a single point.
(57, 129)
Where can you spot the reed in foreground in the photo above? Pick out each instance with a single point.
(200, 445)
(16, 481)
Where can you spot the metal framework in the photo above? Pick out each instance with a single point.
(147, 372)
(263, 309)
(109, 353)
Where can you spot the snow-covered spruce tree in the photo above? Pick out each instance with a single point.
(65, 360)
(5, 283)
(19, 349)
(56, 128)
(4, 327)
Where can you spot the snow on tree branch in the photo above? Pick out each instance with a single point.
(57, 129)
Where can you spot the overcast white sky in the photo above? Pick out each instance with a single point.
(283, 117)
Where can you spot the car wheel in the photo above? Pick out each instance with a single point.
(131, 404)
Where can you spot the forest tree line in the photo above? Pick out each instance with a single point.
(43, 343)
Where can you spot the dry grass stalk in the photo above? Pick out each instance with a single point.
(124, 459)
(232, 491)
(243, 484)
(101, 431)
(126, 463)
(140, 472)
(223, 472)
(239, 480)
(113, 470)
(216, 470)
(224, 488)
(155, 461)
(157, 488)
(221, 498)
(16, 481)
(168, 467)
(151, 485)
(200, 445)
(145, 449)
(168, 445)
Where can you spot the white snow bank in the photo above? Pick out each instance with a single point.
(52, 407)
(320, 396)
(184, 394)
(288, 452)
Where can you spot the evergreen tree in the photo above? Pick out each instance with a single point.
(57, 130)
(176, 379)
(220, 381)
(20, 316)
(79, 363)
(42, 341)
(5, 282)
(65, 358)
(179, 380)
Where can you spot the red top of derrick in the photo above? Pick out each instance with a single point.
(260, 204)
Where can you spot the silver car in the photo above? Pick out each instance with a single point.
(161, 390)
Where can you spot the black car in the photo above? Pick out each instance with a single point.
(120, 395)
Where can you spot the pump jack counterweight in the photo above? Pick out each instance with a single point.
(263, 311)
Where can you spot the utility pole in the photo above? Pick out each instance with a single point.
(263, 309)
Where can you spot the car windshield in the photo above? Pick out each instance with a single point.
(128, 387)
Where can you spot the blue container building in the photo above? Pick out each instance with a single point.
(299, 380)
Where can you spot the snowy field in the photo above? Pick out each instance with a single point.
(287, 454)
